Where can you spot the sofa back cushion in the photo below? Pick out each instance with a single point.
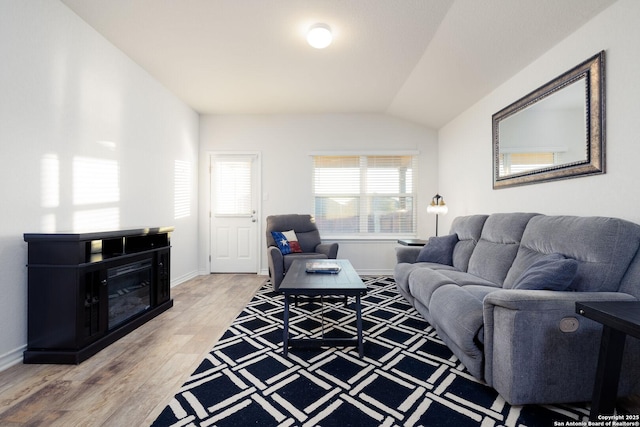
(631, 280)
(468, 229)
(498, 245)
(603, 247)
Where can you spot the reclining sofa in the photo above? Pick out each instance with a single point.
(500, 290)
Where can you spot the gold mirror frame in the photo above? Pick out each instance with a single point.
(592, 71)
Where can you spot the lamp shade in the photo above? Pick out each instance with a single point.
(442, 207)
(319, 36)
(437, 206)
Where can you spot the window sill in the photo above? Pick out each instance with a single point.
(374, 238)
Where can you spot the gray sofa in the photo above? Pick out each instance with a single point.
(528, 344)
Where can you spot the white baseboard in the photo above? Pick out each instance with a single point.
(361, 272)
(11, 358)
(178, 280)
(367, 272)
(14, 357)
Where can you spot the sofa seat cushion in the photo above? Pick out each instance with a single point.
(289, 258)
(461, 278)
(457, 317)
(424, 281)
(403, 270)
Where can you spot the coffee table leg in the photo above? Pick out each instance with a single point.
(285, 331)
(605, 389)
(359, 326)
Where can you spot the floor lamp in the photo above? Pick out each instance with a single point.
(437, 207)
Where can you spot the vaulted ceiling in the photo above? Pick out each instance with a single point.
(421, 60)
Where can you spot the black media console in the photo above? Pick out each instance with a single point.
(87, 290)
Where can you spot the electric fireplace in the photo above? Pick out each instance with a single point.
(129, 291)
(87, 290)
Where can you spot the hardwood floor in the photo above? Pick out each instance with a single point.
(132, 380)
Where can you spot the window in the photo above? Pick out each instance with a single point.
(515, 163)
(360, 195)
(233, 192)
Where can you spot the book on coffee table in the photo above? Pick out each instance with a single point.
(323, 267)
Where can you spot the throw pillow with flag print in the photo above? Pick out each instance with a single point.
(287, 241)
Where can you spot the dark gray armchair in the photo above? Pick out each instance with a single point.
(308, 237)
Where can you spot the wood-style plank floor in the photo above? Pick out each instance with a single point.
(132, 380)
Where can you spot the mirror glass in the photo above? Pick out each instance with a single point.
(555, 132)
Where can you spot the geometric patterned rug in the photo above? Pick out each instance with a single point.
(408, 377)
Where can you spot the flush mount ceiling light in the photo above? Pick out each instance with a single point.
(319, 36)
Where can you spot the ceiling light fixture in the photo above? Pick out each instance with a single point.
(319, 36)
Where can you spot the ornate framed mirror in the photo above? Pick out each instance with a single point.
(555, 132)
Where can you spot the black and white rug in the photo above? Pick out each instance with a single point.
(408, 377)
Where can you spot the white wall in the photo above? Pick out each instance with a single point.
(465, 143)
(68, 98)
(285, 142)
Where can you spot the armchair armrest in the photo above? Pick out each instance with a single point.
(328, 249)
(276, 265)
(537, 349)
(407, 254)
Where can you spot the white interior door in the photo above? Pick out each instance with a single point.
(234, 213)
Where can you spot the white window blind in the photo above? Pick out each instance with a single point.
(233, 187)
(364, 195)
(514, 163)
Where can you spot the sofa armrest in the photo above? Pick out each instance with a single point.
(517, 299)
(537, 349)
(407, 254)
(328, 249)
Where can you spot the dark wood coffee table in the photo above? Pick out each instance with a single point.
(345, 283)
(619, 319)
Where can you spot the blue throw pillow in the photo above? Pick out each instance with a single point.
(439, 250)
(552, 272)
